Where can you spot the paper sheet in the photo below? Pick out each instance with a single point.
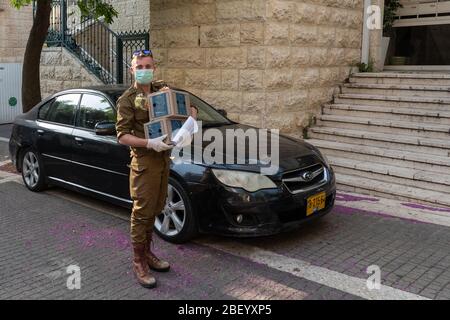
(183, 137)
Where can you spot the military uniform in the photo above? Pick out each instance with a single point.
(149, 170)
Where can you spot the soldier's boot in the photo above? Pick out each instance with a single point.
(152, 260)
(140, 267)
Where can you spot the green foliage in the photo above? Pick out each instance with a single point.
(89, 8)
(97, 9)
(390, 9)
(363, 67)
(19, 3)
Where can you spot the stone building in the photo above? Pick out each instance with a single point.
(269, 63)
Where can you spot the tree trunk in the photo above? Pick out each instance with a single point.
(31, 85)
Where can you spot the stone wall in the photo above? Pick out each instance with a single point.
(59, 70)
(268, 63)
(15, 27)
(133, 15)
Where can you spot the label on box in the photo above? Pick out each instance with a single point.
(181, 104)
(154, 129)
(160, 105)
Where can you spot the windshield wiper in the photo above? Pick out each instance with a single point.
(215, 124)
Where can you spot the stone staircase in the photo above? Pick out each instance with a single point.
(388, 134)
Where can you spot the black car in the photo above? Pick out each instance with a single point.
(69, 140)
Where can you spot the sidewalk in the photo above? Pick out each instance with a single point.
(44, 233)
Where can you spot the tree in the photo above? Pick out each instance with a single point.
(31, 86)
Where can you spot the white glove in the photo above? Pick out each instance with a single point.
(158, 145)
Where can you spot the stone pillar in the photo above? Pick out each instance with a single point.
(269, 63)
(375, 48)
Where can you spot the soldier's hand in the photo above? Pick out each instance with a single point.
(158, 145)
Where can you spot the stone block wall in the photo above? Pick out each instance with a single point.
(60, 70)
(15, 27)
(270, 63)
(133, 15)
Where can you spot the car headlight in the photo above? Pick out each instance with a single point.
(246, 180)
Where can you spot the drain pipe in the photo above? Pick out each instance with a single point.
(365, 35)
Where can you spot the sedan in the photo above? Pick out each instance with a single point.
(69, 140)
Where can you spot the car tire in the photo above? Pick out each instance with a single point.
(189, 228)
(33, 173)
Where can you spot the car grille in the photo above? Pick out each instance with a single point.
(305, 179)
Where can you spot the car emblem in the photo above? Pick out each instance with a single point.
(307, 176)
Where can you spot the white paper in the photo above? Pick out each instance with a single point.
(183, 137)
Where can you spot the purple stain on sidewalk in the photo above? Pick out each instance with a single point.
(88, 236)
(424, 207)
(348, 210)
(352, 198)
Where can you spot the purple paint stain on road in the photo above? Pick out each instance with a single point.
(347, 210)
(352, 198)
(89, 236)
(420, 206)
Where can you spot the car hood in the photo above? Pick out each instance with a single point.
(293, 153)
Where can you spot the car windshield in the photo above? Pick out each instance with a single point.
(207, 114)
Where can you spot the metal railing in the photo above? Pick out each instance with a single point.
(103, 51)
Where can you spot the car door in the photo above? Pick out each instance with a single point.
(54, 128)
(100, 162)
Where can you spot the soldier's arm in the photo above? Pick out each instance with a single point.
(124, 124)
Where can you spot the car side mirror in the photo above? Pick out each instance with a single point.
(223, 112)
(105, 128)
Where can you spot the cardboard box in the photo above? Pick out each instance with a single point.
(170, 103)
(167, 125)
(160, 104)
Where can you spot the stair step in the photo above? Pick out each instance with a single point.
(399, 101)
(402, 78)
(391, 190)
(389, 173)
(397, 90)
(439, 147)
(404, 159)
(402, 114)
(428, 130)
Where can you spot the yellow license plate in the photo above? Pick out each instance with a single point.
(315, 203)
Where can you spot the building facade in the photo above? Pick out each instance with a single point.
(269, 63)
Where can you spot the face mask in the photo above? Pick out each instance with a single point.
(143, 76)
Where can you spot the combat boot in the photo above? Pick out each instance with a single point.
(153, 261)
(140, 266)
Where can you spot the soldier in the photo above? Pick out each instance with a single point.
(149, 167)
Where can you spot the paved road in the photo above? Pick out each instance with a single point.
(5, 130)
(43, 233)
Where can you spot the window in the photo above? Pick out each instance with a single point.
(94, 109)
(62, 110)
(43, 110)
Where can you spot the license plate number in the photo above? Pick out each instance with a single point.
(315, 203)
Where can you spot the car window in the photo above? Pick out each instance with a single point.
(94, 109)
(206, 113)
(63, 109)
(43, 110)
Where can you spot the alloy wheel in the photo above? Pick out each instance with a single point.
(172, 219)
(31, 169)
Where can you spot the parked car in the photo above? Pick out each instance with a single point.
(69, 140)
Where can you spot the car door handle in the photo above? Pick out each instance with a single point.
(40, 132)
(79, 140)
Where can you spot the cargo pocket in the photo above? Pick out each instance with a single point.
(137, 180)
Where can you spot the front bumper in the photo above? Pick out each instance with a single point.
(265, 212)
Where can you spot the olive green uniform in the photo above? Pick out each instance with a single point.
(149, 170)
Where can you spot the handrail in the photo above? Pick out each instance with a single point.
(101, 50)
